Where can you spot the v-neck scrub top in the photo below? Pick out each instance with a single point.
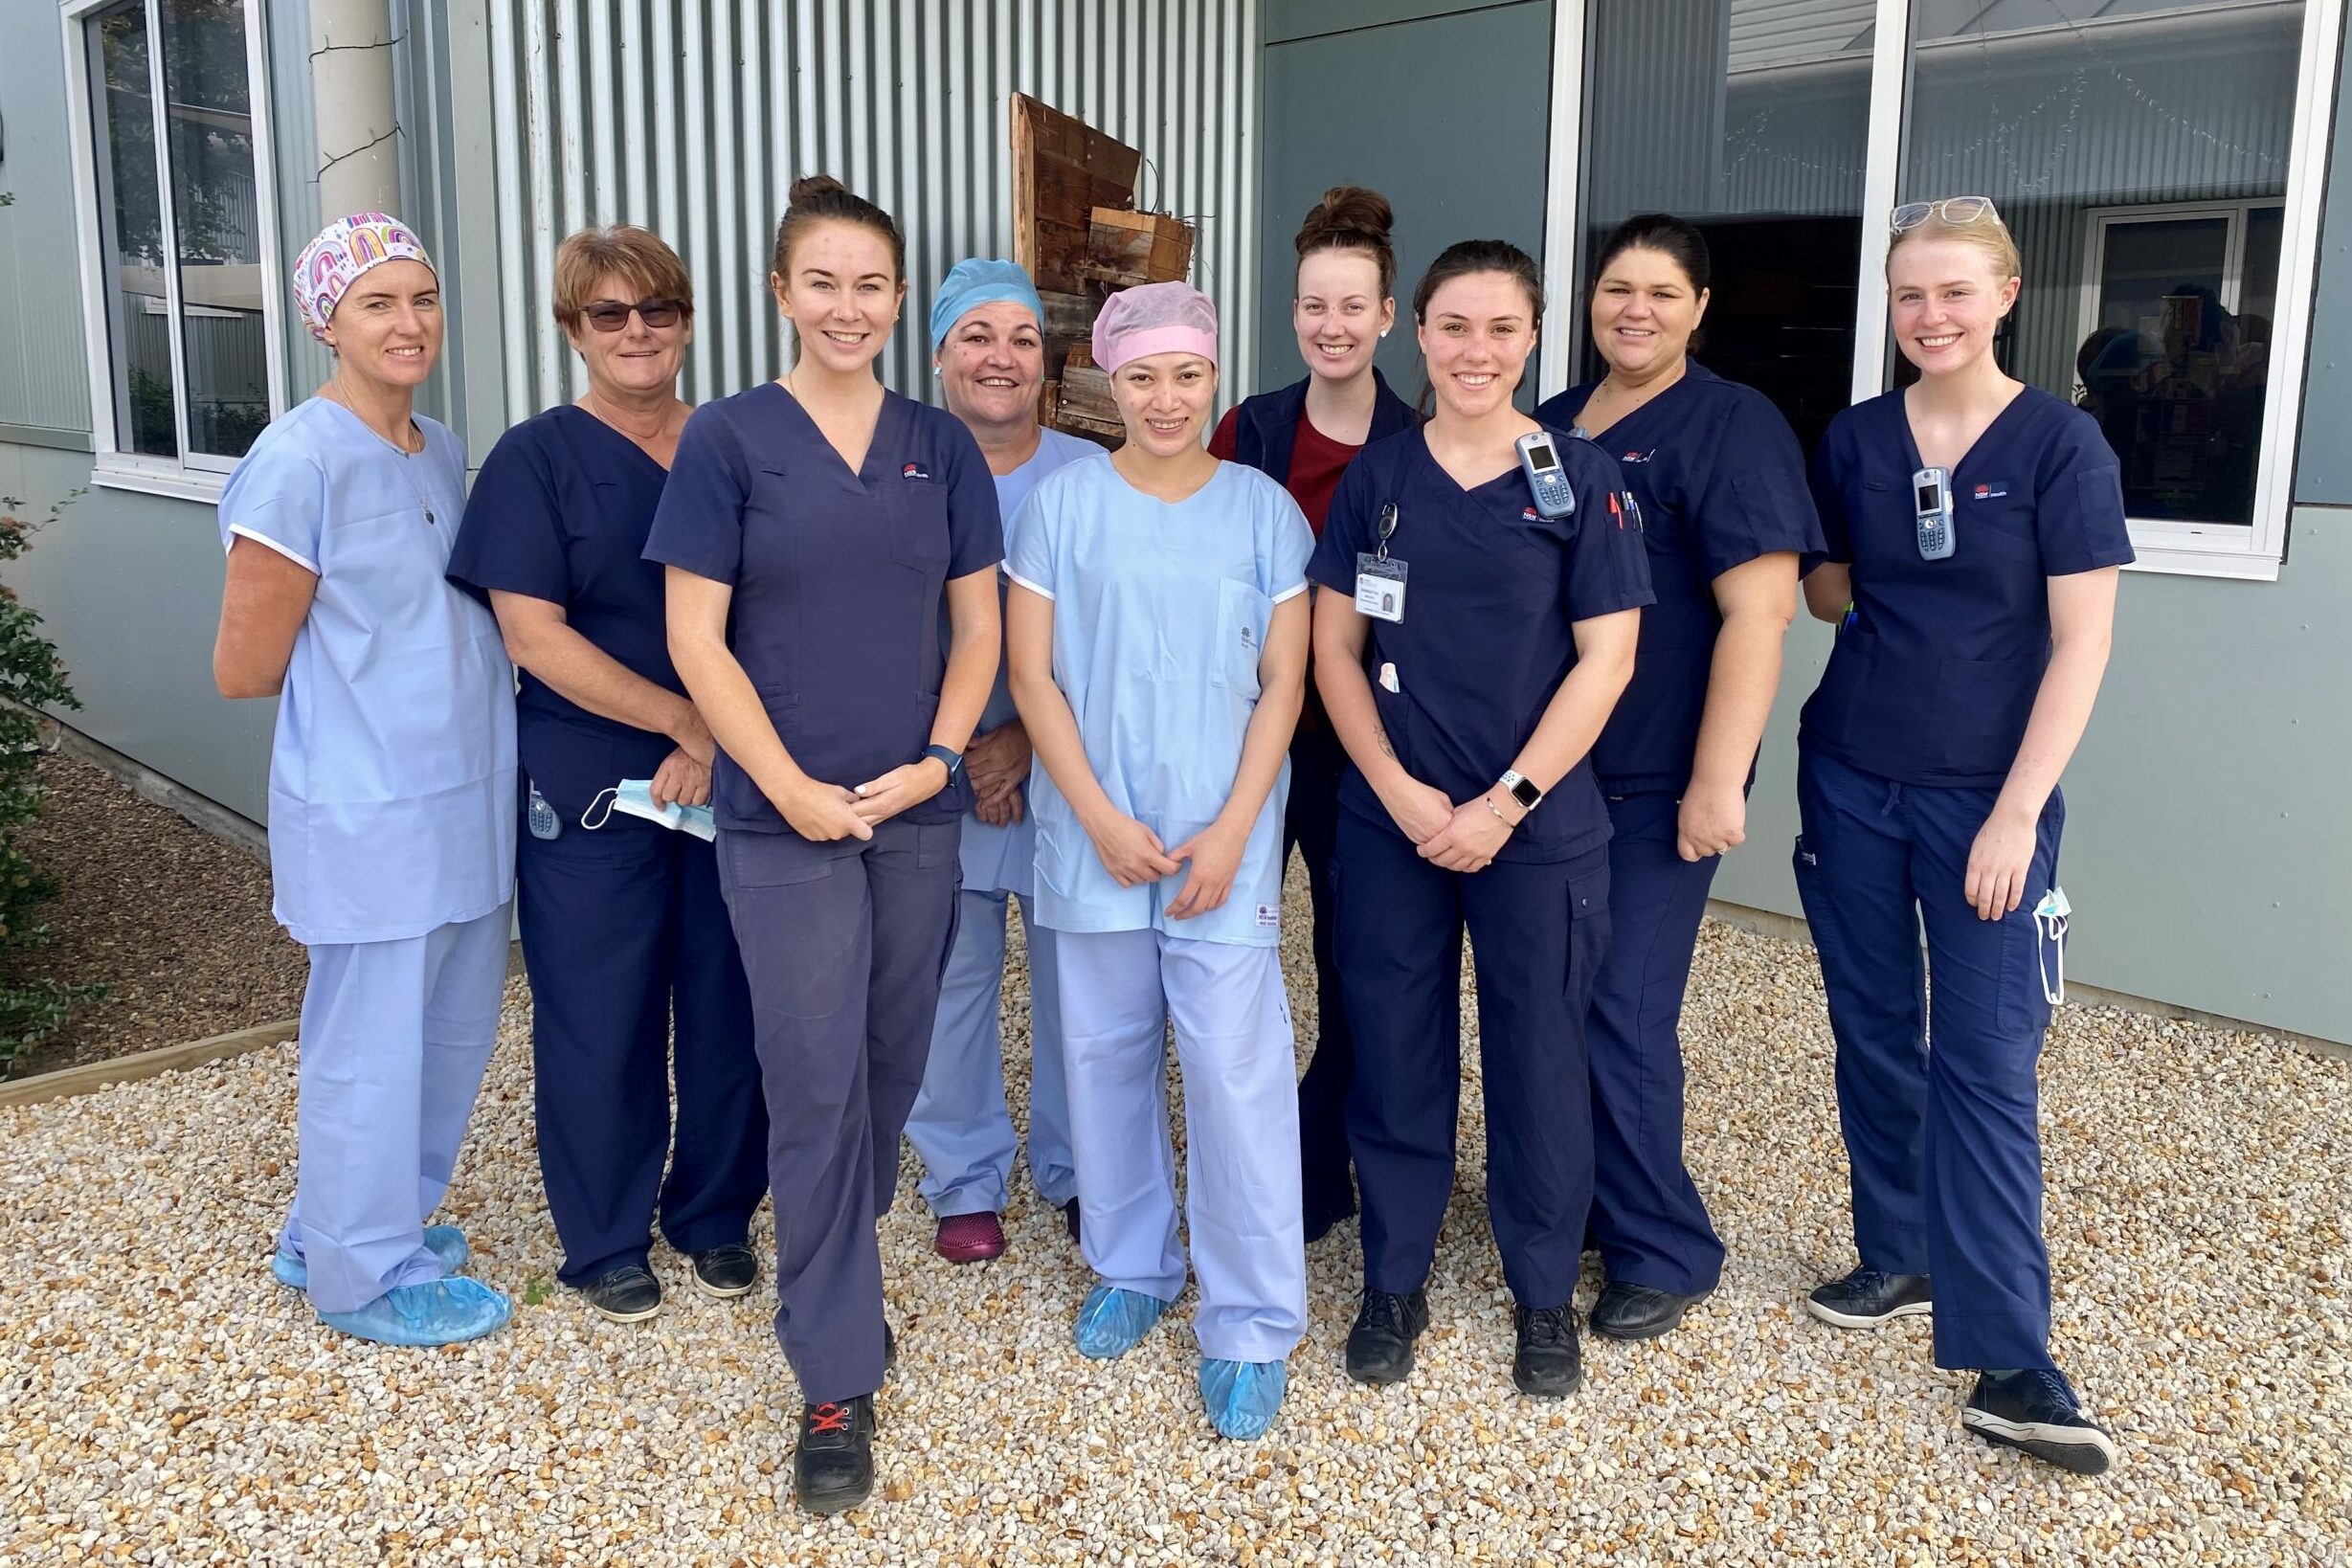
(560, 512)
(1160, 614)
(1492, 591)
(1720, 481)
(839, 580)
(393, 765)
(1935, 670)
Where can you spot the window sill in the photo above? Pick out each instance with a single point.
(2169, 558)
(178, 484)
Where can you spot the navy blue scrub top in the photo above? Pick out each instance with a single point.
(1721, 480)
(560, 512)
(1936, 667)
(839, 580)
(1492, 591)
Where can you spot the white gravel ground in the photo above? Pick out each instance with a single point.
(161, 1401)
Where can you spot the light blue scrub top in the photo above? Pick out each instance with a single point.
(1160, 614)
(392, 796)
(997, 860)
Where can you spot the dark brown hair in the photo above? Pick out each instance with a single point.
(1473, 255)
(820, 198)
(1351, 218)
(1677, 239)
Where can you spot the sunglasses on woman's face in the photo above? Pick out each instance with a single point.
(611, 315)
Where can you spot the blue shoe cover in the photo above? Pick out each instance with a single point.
(447, 1243)
(429, 1312)
(1113, 1321)
(1242, 1396)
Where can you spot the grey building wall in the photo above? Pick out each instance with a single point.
(1348, 102)
(2208, 854)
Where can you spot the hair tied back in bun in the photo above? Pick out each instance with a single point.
(1351, 218)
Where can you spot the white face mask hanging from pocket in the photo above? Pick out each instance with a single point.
(634, 798)
(2050, 917)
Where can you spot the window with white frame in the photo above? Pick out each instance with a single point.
(175, 228)
(2161, 163)
(2140, 151)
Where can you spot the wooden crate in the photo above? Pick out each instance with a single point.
(1125, 247)
(1085, 390)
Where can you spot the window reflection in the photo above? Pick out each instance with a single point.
(2139, 151)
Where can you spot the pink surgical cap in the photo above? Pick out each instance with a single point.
(1155, 319)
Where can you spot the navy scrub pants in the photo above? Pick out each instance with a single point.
(1647, 1217)
(1537, 932)
(1311, 820)
(619, 927)
(1937, 1095)
(844, 944)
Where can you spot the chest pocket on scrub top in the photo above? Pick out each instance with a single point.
(1242, 616)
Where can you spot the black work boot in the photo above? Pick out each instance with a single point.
(833, 1467)
(1381, 1344)
(1549, 1363)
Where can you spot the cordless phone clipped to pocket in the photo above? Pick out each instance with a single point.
(1931, 490)
(1546, 479)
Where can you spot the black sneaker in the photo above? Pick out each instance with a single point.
(1549, 1363)
(1381, 1344)
(627, 1294)
(833, 1467)
(1867, 1299)
(726, 1271)
(1639, 1312)
(2035, 1411)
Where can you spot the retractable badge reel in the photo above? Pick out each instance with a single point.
(1379, 580)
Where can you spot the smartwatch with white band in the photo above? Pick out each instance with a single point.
(1522, 789)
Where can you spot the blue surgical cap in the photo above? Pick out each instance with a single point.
(977, 281)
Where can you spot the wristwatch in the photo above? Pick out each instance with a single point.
(954, 761)
(1522, 789)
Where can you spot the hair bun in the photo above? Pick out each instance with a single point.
(810, 187)
(1348, 209)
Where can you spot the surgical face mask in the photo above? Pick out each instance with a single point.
(2050, 918)
(635, 797)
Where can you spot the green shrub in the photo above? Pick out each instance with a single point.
(32, 677)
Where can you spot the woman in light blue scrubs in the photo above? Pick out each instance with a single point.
(1975, 532)
(1157, 631)
(988, 348)
(392, 789)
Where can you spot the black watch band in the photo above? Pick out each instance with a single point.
(954, 761)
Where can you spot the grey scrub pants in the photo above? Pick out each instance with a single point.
(844, 944)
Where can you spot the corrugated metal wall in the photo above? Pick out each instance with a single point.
(694, 117)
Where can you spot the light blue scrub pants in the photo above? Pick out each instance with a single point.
(396, 1035)
(1119, 989)
(960, 1124)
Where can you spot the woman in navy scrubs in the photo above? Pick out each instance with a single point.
(1470, 649)
(813, 528)
(1975, 527)
(1305, 436)
(622, 924)
(1720, 484)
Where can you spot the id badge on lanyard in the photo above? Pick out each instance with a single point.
(1380, 579)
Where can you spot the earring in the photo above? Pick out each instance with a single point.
(1384, 331)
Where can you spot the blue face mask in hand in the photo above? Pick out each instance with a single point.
(635, 797)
